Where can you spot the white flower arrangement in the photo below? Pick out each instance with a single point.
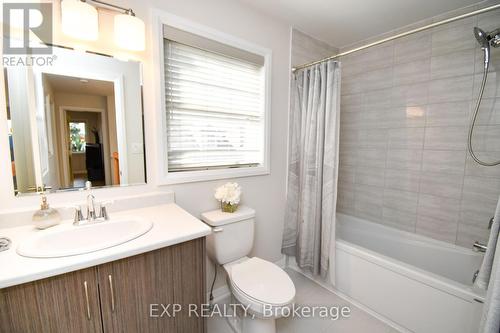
(229, 195)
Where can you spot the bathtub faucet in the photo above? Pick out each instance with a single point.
(479, 247)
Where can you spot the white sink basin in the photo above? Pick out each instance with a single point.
(69, 240)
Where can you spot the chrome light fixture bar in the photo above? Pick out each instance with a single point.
(403, 34)
(79, 20)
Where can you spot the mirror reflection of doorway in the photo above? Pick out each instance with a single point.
(87, 130)
(86, 150)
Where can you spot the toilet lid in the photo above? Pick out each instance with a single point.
(263, 281)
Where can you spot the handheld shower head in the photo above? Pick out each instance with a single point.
(482, 37)
(484, 40)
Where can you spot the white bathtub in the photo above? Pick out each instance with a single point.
(421, 284)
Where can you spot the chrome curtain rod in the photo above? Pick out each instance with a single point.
(403, 34)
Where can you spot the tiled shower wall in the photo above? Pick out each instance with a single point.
(405, 111)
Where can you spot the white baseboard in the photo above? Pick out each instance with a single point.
(293, 265)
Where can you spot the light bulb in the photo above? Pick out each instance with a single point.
(129, 32)
(79, 20)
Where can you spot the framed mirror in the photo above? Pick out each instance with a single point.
(78, 119)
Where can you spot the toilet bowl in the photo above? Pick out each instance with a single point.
(262, 288)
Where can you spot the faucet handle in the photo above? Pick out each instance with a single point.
(104, 209)
(78, 214)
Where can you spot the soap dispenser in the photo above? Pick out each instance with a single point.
(46, 217)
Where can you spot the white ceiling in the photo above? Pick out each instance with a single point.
(343, 22)
(68, 84)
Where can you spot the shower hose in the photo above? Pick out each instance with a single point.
(474, 118)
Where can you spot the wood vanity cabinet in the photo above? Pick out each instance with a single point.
(113, 297)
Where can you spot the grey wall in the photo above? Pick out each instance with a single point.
(404, 117)
(305, 48)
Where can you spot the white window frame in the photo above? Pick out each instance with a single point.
(161, 18)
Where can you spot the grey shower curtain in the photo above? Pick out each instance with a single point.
(309, 232)
(489, 278)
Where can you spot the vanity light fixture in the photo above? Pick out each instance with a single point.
(80, 20)
(129, 31)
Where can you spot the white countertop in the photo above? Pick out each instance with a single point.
(171, 225)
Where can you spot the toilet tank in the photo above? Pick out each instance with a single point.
(232, 234)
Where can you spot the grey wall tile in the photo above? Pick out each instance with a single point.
(380, 56)
(492, 87)
(369, 176)
(468, 234)
(460, 63)
(398, 219)
(474, 169)
(446, 209)
(412, 72)
(451, 89)
(353, 99)
(486, 138)
(437, 229)
(401, 116)
(401, 200)
(377, 79)
(348, 136)
(410, 159)
(451, 38)
(449, 114)
(445, 138)
(378, 98)
(406, 138)
(368, 202)
(441, 184)
(489, 112)
(351, 84)
(374, 158)
(410, 95)
(445, 161)
(372, 138)
(405, 180)
(345, 198)
(413, 47)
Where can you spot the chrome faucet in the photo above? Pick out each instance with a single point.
(96, 211)
(480, 247)
(90, 208)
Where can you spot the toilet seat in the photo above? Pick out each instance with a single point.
(262, 282)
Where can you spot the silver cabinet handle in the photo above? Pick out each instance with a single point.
(85, 287)
(110, 278)
(217, 229)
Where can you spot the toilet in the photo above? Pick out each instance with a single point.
(259, 285)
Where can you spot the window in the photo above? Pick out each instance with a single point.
(77, 136)
(215, 107)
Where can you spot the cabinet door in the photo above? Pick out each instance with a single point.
(131, 287)
(63, 303)
(189, 284)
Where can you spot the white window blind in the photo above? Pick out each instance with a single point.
(215, 109)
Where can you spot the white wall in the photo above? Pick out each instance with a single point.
(264, 193)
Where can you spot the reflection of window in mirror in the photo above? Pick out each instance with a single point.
(77, 136)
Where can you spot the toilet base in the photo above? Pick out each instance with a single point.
(258, 325)
(241, 322)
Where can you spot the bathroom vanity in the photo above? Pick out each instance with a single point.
(124, 288)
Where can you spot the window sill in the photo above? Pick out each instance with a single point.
(208, 175)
